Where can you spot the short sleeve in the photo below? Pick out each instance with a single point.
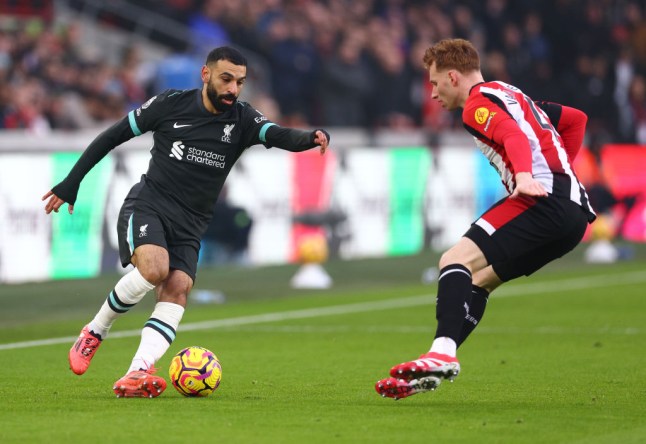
(147, 116)
(484, 116)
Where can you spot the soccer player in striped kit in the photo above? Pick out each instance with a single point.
(532, 146)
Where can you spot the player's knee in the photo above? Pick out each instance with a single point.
(449, 257)
(174, 290)
(489, 286)
(487, 279)
(154, 274)
(152, 262)
(179, 298)
(465, 253)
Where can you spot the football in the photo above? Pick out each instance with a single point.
(313, 249)
(195, 371)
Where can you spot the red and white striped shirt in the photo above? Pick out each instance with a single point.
(517, 136)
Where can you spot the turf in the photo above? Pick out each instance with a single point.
(559, 358)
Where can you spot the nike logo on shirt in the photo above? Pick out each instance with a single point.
(181, 126)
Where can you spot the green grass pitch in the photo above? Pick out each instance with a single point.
(560, 357)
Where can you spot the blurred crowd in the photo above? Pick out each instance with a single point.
(47, 82)
(351, 63)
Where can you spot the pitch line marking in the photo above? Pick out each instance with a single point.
(544, 330)
(512, 290)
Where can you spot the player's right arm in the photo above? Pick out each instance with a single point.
(137, 122)
(489, 120)
(67, 189)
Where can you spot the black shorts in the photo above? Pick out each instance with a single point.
(519, 236)
(145, 220)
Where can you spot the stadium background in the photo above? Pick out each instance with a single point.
(402, 177)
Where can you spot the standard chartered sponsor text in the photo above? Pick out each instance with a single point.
(206, 157)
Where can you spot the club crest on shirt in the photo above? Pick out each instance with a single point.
(227, 132)
(481, 115)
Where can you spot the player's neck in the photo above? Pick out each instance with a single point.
(469, 81)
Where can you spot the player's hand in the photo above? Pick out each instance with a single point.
(526, 185)
(321, 139)
(54, 203)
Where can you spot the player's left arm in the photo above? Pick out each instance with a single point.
(569, 122)
(296, 140)
(257, 129)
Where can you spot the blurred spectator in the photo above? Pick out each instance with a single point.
(425, 112)
(516, 53)
(496, 15)
(635, 16)
(25, 110)
(537, 45)
(227, 236)
(48, 82)
(206, 27)
(134, 76)
(348, 83)
(391, 102)
(624, 75)
(637, 103)
(466, 26)
(494, 66)
(295, 67)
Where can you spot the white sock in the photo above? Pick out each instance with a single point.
(130, 289)
(157, 335)
(445, 346)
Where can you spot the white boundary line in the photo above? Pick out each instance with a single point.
(430, 329)
(513, 290)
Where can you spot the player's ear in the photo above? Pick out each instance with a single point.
(205, 74)
(453, 77)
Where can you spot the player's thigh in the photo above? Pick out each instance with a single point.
(152, 261)
(518, 236)
(533, 261)
(184, 256)
(508, 229)
(138, 225)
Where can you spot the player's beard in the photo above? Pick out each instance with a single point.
(217, 99)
